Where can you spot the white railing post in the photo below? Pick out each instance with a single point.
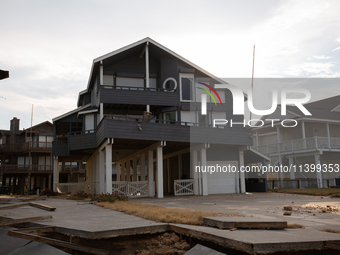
(292, 144)
(316, 142)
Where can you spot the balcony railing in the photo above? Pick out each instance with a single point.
(138, 88)
(32, 145)
(72, 168)
(300, 145)
(25, 168)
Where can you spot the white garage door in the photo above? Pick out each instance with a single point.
(222, 182)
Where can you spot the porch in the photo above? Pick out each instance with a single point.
(301, 146)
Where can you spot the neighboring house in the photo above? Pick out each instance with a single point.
(25, 157)
(3, 74)
(314, 141)
(139, 127)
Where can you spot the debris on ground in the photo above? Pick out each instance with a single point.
(287, 213)
(166, 244)
(287, 208)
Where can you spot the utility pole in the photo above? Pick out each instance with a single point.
(252, 79)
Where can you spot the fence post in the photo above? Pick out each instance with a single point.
(298, 184)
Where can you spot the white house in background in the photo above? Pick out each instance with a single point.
(315, 140)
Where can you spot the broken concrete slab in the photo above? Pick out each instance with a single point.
(202, 250)
(259, 241)
(34, 248)
(12, 243)
(244, 223)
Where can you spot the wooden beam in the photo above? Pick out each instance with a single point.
(4, 221)
(41, 206)
(20, 234)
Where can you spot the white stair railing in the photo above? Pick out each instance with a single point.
(184, 187)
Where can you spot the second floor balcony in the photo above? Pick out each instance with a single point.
(138, 95)
(123, 127)
(26, 146)
(301, 146)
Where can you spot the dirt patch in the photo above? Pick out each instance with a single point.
(295, 226)
(166, 244)
(331, 230)
(163, 214)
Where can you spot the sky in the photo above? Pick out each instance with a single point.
(48, 46)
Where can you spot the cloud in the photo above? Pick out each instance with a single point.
(338, 48)
(322, 57)
(314, 69)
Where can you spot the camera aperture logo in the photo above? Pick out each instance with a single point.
(238, 105)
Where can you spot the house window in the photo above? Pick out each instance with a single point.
(187, 87)
(170, 116)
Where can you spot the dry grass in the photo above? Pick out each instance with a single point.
(331, 230)
(295, 226)
(312, 192)
(163, 214)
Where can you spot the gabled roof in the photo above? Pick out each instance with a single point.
(96, 61)
(5, 132)
(40, 124)
(71, 112)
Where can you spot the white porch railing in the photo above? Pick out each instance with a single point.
(138, 189)
(73, 188)
(300, 145)
(184, 187)
(131, 189)
(120, 188)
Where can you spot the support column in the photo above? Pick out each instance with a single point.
(159, 159)
(50, 181)
(142, 167)
(328, 135)
(134, 169)
(204, 174)
(151, 188)
(318, 174)
(303, 134)
(242, 173)
(179, 167)
(194, 174)
(168, 174)
(108, 168)
(128, 171)
(55, 174)
(291, 167)
(102, 171)
(118, 171)
(123, 171)
(101, 111)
